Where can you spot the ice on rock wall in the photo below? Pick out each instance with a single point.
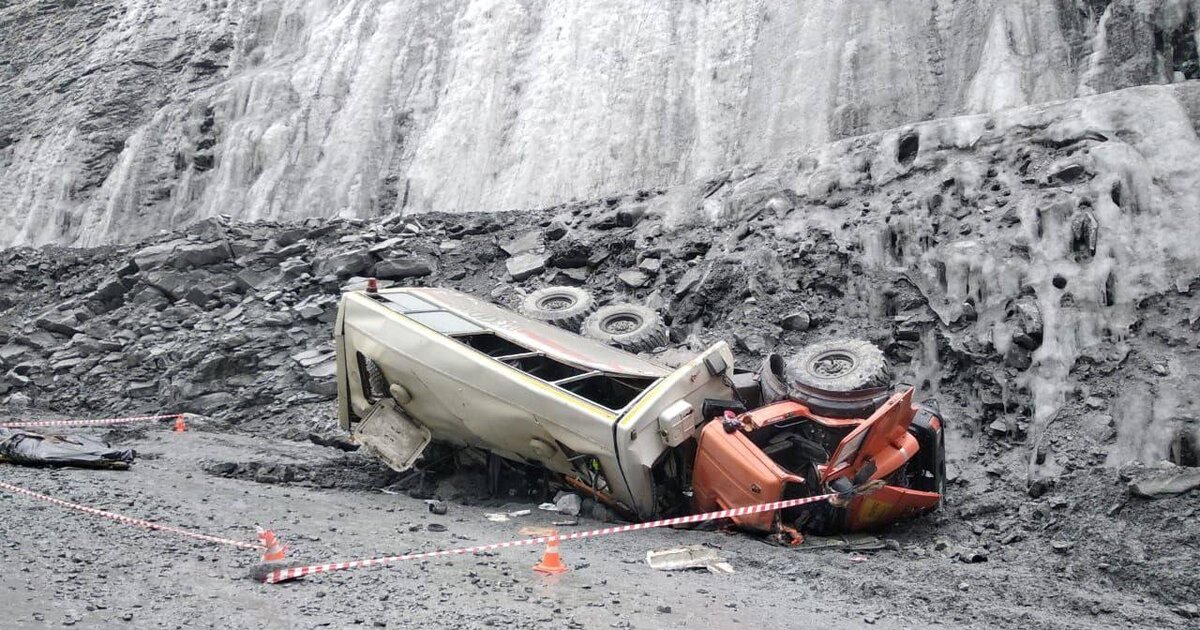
(122, 117)
(1034, 236)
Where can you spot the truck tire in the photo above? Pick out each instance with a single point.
(929, 428)
(376, 381)
(565, 307)
(840, 366)
(939, 469)
(631, 327)
(842, 378)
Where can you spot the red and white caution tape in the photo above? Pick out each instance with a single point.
(283, 575)
(84, 423)
(127, 520)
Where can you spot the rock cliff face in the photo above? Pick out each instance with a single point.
(120, 118)
(1046, 238)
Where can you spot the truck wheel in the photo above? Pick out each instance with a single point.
(629, 326)
(840, 366)
(565, 307)
(843, 378)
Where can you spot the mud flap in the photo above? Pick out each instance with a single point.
(392, 436)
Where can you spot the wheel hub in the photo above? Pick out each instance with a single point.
(833, 364)
(556, 303)
(621, 324)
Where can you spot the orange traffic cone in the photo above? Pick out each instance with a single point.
(275, 551)
(180, 425)
(551, 564)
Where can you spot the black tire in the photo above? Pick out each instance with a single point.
(930, 430)
(839, 366)
(631, 327)
(565, 307)
(939, 469)
(377, 382)
(771, 379)
(842, 378)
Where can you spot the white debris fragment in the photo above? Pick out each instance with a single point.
(690, 557)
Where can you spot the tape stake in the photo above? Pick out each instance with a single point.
(283, 575)
(84, 423)
(128, 520)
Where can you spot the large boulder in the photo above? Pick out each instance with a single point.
(343, 264)
(525, 266)
(177, 284)
(156, 256)
(182, 254)
(199, 254)
(406, 267)
(257, 279)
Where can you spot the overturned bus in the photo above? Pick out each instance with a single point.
(423, 364)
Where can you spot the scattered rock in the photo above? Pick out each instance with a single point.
(568, 503)
(322, 377)
(525, 266)
(397, 268)
(650, 265)
(141, 389)
(798, 321)
(523, 244)
(1168, 483)
(199, 254)
(344, 264)
(634, 278)
(1062, 546)
(60, 325)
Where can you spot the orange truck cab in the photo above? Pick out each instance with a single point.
(784, 451)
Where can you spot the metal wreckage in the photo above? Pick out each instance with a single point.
(417, 365)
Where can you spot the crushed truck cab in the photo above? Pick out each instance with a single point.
(422, 364)
(783, 451)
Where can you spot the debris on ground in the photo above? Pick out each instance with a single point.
(846, 542)
(27, 448)
(568, 503)
(1166, 483)
(690, 557)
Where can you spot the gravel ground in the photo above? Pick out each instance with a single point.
(71, 569)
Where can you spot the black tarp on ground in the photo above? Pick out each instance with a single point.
(36, 449)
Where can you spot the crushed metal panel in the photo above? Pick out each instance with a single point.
(389, 433)
(848, 542)
(690, 557)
